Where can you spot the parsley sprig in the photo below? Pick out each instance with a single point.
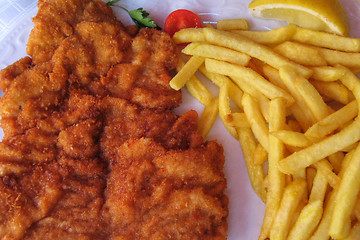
(139, 16)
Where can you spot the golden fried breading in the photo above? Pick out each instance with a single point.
(176, 194)
(56, 20)
(91, 147)
(144, 80)
(27, 198)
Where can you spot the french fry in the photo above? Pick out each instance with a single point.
(354, 233)
(292, 138)
(346, 198)
(224, 109)
(251, 90)
(235, 94)
(319, 187)
(327, 73)
(300, 54)
(187, 35)
(307, 221)
(220, 53)
(231, 24)
(310, 176)
(298, 109)
(189, 69)
(234, 91)
(237, 120)
(292, 196)
(326, 40)
(325, 167)
(244, 45)
(351, 81)
(208, 117)
(322, 231)
(334, 121)
(260, 155)
(275, 36)
(255, 172)
(276, 179)
(250, 76)
(197, 89)
(336, 160)
(333, 57)
(305, 91)
(256, 120)
(356, 211)
(333, 90)
(322, 149)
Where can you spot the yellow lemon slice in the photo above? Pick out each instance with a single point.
(321, 15)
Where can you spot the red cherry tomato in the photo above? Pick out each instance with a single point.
(180, 19)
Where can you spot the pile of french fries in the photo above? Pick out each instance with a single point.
(291, 97)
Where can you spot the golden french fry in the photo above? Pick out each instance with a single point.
(197, 89)
(334, 90)
(325, 167)
(322, 231)
(327, 40)
(292, 196)
(292, 138)
(275, 36)
(237, 120)
(189, 69)
(256, 120)
(306, 91)
(346, 197)
(244, 45)
(333, 121)
(300, 54)
(255, 172)
(298, 109)
(276, 179)
(307, 221)
(354, 232)
(260, 155)
(187, 35)
(220, 53)
(250, 76)
(351, 81)
(327, 73)
(333, 57)
(357, 208)
(288, 76)
(251, 90)
(319, 187)
(231, 24)
(208, 117)
(336, 159)
(235, 92)
(310, 176)
(322, 149)
(224, 108)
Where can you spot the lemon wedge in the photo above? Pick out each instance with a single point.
(321, 15)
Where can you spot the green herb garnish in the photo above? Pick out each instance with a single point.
(139, 16)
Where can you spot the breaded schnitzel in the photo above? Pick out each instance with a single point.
(91, 147)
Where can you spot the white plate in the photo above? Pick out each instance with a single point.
(245, 209)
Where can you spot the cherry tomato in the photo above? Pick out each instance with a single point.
(180, 19)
